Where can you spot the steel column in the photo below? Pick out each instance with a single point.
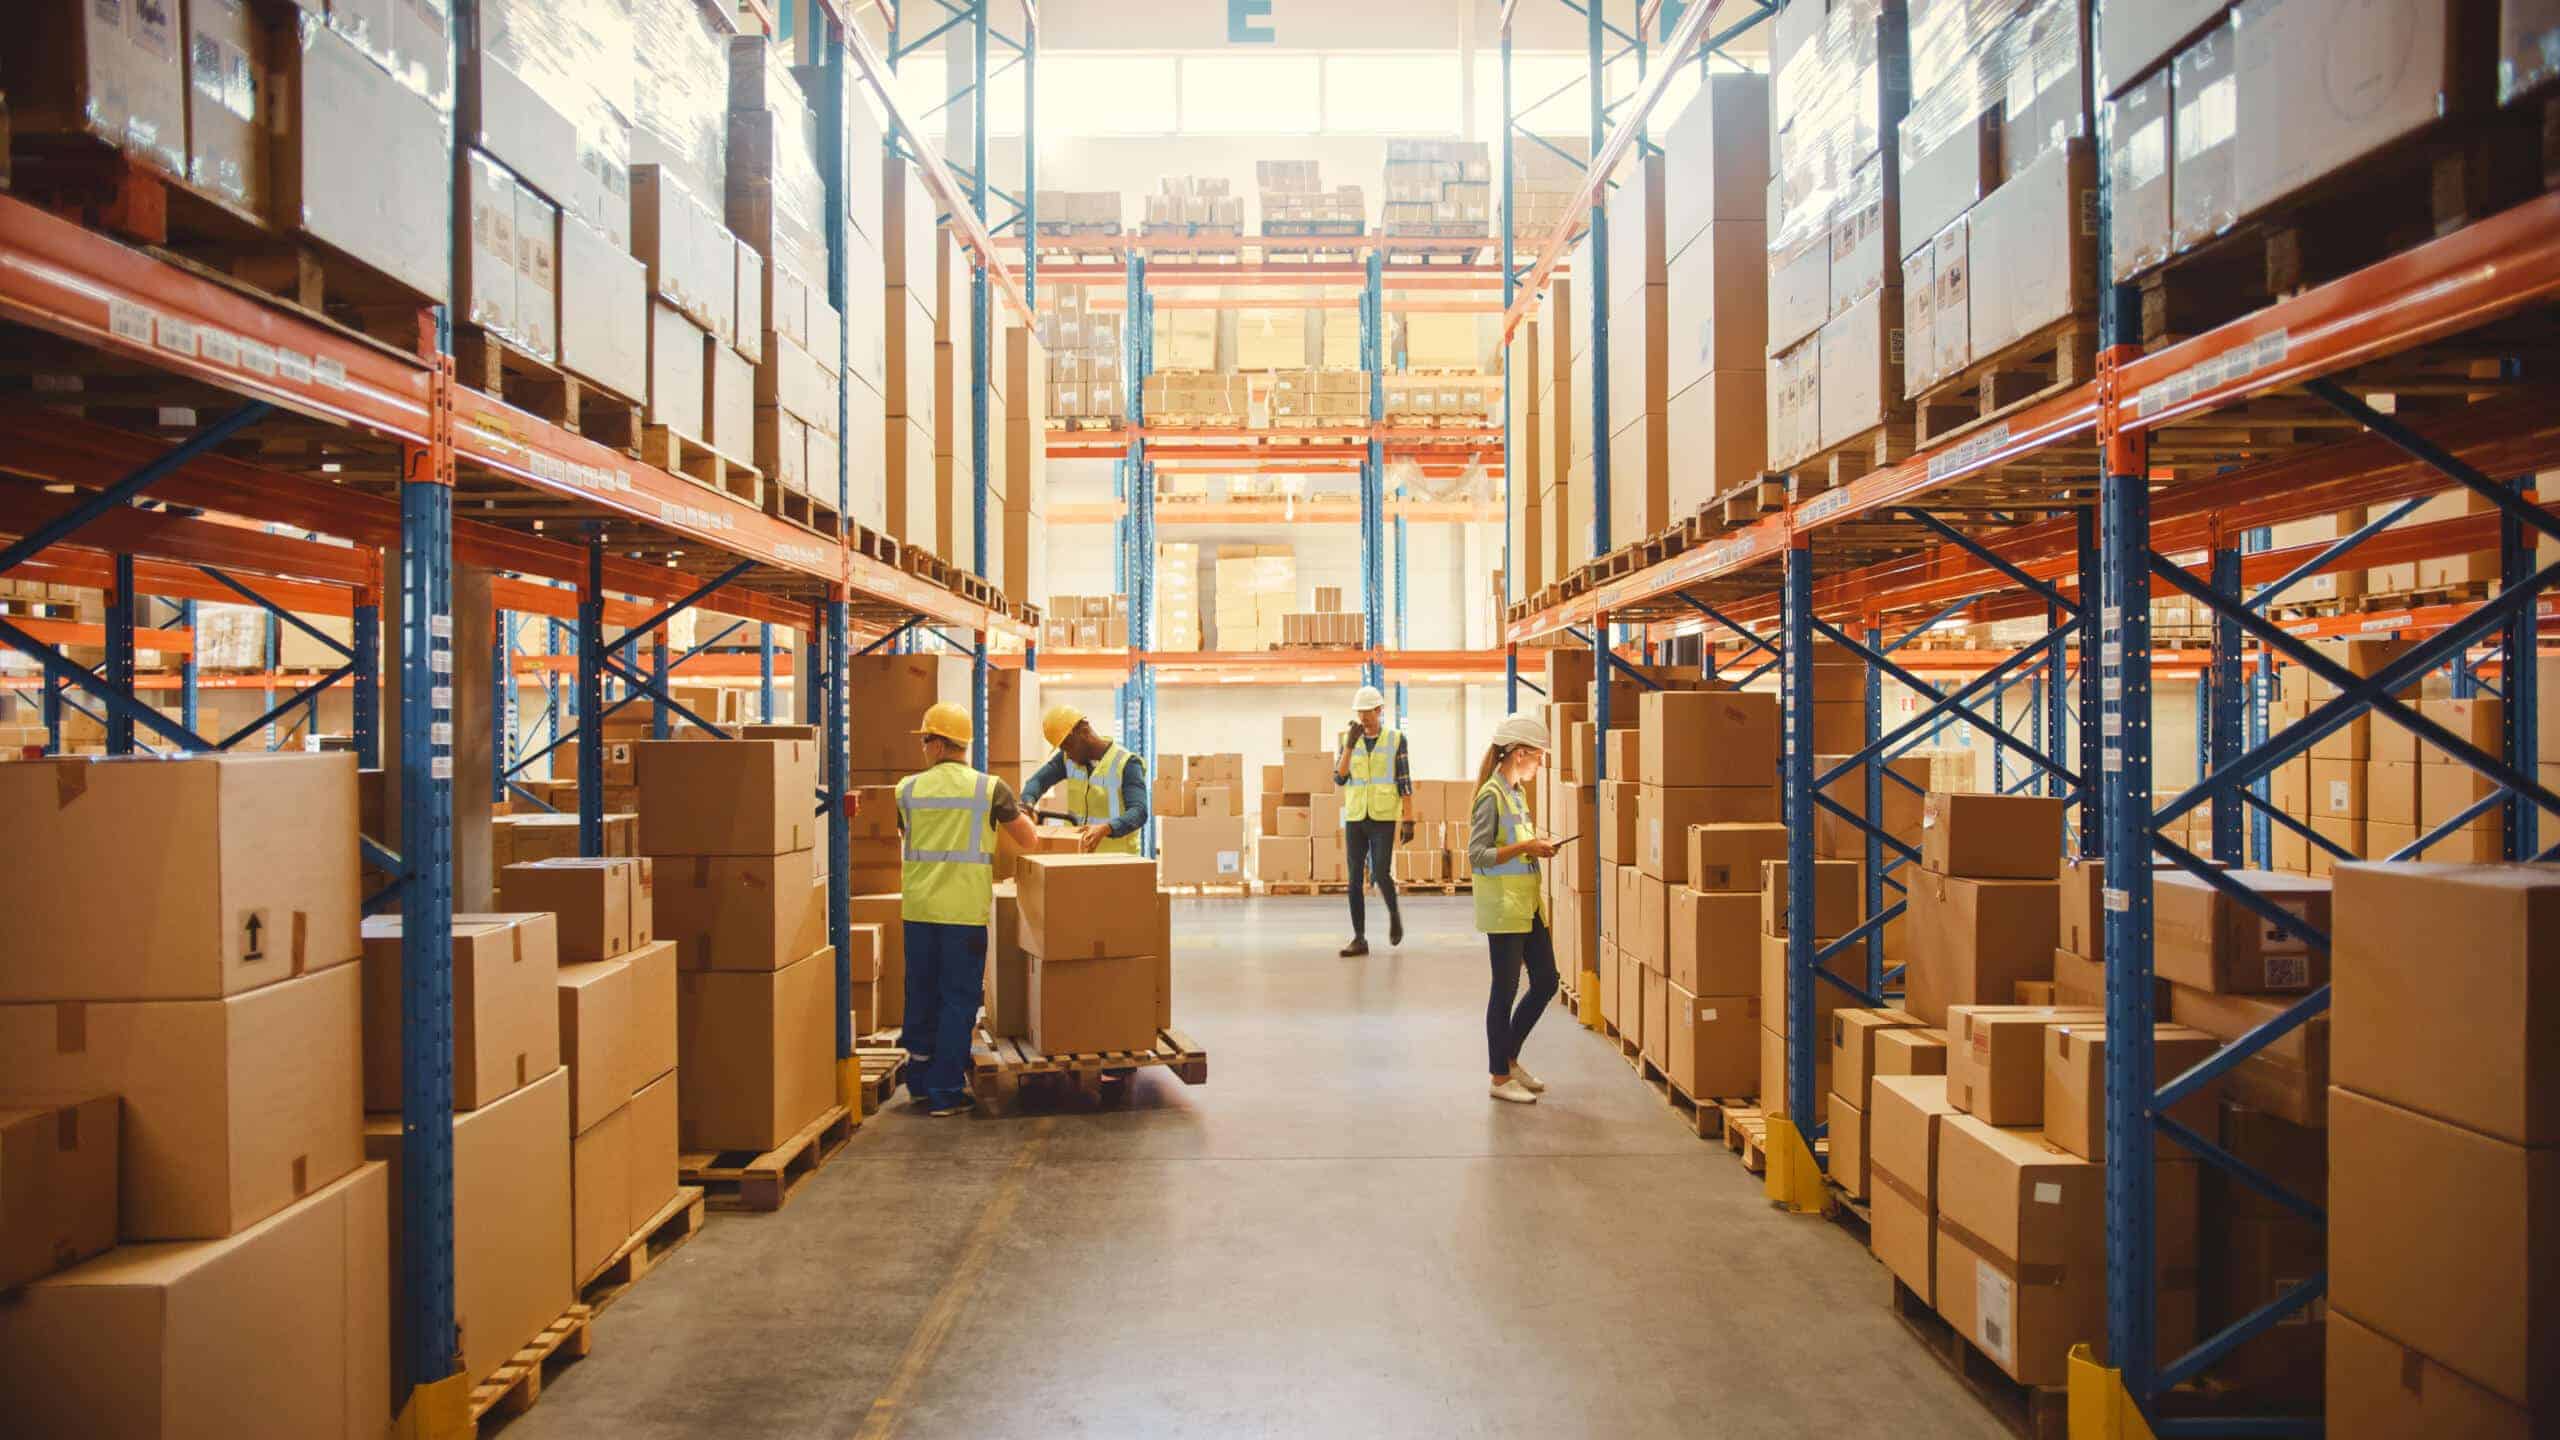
(119, 619)
(591, 701)
(189, 699)
(764, 672)
(1874, 859)
(1796, 787)
(837, 780)
(2091, 638)
(2521, 682)
(2229, 714)
(981, 319)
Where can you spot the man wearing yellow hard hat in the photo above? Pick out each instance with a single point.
(1106, 786)
(1375, 777)
(948, 815)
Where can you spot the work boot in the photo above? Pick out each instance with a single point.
(1359, 946)
(1395, 929)
(1521, 1077)
(1513, 1091)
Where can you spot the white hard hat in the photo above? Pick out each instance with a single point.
(1522, 730)
(1368, 699)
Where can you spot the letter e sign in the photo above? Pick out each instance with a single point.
(1242, 28)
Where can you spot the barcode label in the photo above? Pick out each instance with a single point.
(129, 321)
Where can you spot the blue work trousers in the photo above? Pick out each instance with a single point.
(946, 979)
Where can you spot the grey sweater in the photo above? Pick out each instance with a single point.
(1484, 835)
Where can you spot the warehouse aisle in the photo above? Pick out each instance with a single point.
(1338, 1235)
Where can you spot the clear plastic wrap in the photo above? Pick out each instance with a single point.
(1845, 91)
(2528, 47)
(681, 97)
(575, 58)
(776, 199)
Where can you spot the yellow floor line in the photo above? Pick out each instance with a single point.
(956, 1292)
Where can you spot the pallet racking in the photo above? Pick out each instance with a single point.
(284, 419)
(2162, 475)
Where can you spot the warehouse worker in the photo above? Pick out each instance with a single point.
(1376, 781)
(948, 815)
(1504, 849)
(1106, 785)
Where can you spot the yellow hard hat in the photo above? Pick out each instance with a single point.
(1058, 723)
(948, 721)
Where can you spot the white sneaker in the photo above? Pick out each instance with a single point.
(1531, 1083)
(1515, 1092)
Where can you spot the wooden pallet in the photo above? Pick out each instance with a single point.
(677, 1221)
(999, 1067)
(807, 511)
(874, 545)
(2061, 356)
(1748, 501)
(1746, 1132)
(2031, 1412)
(1879, 447)
(497, 366)
(924, 565)
(1313, 229)
(680, 454)
(740, 1180)
(1705, 1117)
(513, 1388)
(1082, 422)
(884, 1068)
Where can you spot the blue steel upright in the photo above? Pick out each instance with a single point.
(1795, 760)
(2229, 712)
(120, 620)
(1373, 466)
(2519, 655)
(426, 926)
(981, 320)
(591, 702)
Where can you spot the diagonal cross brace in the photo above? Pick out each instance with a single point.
(63, 671)
(345, 652)
(644, 685)
(631, 636)
(1750, 640)
(286, 706)
(123, 491)
(1996, 561)
(2390, 428)
(1919, 724)
(1999, 734)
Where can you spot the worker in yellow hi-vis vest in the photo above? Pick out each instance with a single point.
(1105, 785)
(1376, 781)
(1504, 848)
(948, 815)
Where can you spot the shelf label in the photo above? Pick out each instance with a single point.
(2118, 901)
(2215, 373)
(257, 359)
(177, 335)
(1971, 453)
(440, 698)
(219, 348)
(2111, 688)
(2113, 724)
(440, 733)
(440, 626)
(2115, 760)
(294, 366)
(2111, 653)
(699, 517)
(330, 372)
(440, 768)
(809, 556)
(130, 322)
(1823, 507)
(440, 661)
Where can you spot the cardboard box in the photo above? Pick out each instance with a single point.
(1726, 857)
(2038, 234)
(1666, 815)
(2075, 1085)
(654, 1148)
(1304, 773)
(351, 146)
(1657, 1019)
(1773, 1071)
(1908, 1052)
(727, 797)
(1991, 837)
(2320, 90)
(1853, 1047)
(2205, 939)
(512, 1220)
(2084, 907)
(506, 1032)
(1619, 828)
(1709, 1040)
(756, 1053)
(1643, 923)
(250, 862)
(2465, 1043)
(1087, 905)
(1302, 734)
(2380, 1388)
(57, 1186)
(1708, 738)
(1995, 1059)
(2138, 150)
(2289, 1078)
(1901, 1135)
(1837, 903)
(651, 1051)
(1088, 1002)
(1973, 940)
(597, 1002)
(2021, 1242)
(2134, 38)
(2438, 1237)
(1630, 1000)
(1202, 850)
(600, 1192)
(1713, 942)
(150, 1340)
(233, 1108)
(738, 912)
(107, 73)
(601, 907)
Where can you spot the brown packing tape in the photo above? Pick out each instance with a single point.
(70, 782)
(2038, 1276)
(2413, 1371)
(301, 1175)
(1897, 1185)
(301, 935)
(70, 1028)
(66, 1128)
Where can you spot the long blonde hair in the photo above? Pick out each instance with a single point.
(1494, 755)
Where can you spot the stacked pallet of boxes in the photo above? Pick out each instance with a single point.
(1024, 571)
(1201, 830)
(912, 273)
(1998, 178)
(1086, 622)
(1569, 805)
(1295, 202)
(2363, 787)
(182, 1079)
(1525, 468)
(616, 1035)
(1693, 780)
(1096, 932)
(1272, 338)
(2441, 1138)
(1300, 807)
(729, 830)
(1194, 205)
(1084, 357)
(1442, 812)
(1178, 625)
(1986, 903)
(1565, 507)
(954, 419)
(1324, 399)
(1065, 212)
(777, 206)
(1327, 626)
(1257, 584)
(1438, 188)
(1837, 909)
(701, 386)
(2226, 113)
(1544, 185)
(1715, 245)
(1842, 79)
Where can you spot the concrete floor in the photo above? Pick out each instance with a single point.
(1339, 1235)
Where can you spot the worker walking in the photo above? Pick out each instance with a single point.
(1376, 781)
(1504, 848)
(1106, 786)
(948, 815)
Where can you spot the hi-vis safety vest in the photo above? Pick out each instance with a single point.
(949, 852)
(1371, 793)
(1094, 795)
(1508, 896)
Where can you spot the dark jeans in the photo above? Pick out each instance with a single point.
(1370, 845)
(1506, 1028)
(946, 978)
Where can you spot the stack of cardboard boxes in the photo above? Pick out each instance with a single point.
(1194, 205)
(1257, 584)
(1083, 346)
(1295, 202)
(1997, 176)
(1178, 597)
(1086, 622)
(1716, 338)
(1200, 826)
(1564, 501)
(1526, 476)
(2363, 787)
(1567, 806)
(1301, 808)
(1069, 211)
(2442, 1132)
(1841, 80)
(1838, 907)
(1443, 812)
(1022, 559)
(183, 1080)
(1319, 398)
(617, 1036)
(740, 893)
(1986, 902)
(912, 273)
(1868, 1047)
(1438, 187)
(1096, 934)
